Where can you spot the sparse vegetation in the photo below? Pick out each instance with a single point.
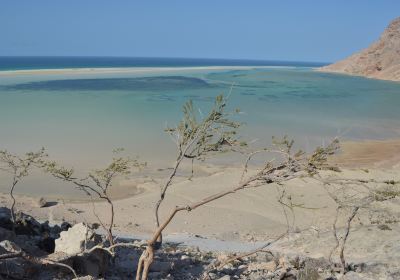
(200, 134)
(351, 197)
(98, 183)
(197, 138)
(19, 167)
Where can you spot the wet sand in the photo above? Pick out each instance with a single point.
(369, 154)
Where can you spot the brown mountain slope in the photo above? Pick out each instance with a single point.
(381, 60)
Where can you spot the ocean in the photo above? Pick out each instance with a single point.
(80, 117)
(51, 62)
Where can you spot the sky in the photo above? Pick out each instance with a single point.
(291, 30)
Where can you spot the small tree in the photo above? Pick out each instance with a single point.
(19, 167)
(352, 196)
(196, 139)
(98, 183)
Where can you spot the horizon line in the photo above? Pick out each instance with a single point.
(160, 57)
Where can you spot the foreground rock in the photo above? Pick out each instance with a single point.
(298, 257)
(76, 240)
(73, 243)
(381, 60)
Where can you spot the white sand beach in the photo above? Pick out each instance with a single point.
(125, 70)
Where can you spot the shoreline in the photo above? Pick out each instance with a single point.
(368, 153)
(344, 73)
(250, 216)
(382, 155)
(377, 159)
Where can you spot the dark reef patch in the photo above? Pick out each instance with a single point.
(141, 83)
(200, 98)
(160, 97)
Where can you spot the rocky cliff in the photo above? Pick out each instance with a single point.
(381, 60)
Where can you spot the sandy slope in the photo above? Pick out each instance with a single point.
(255, 215)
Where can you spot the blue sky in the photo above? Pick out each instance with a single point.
(278, 30)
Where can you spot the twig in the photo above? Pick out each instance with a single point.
(16, 251)
(252, 252)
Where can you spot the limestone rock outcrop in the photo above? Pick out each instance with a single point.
(381, 60)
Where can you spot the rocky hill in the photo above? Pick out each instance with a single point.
(381, 60)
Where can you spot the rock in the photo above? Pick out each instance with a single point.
(5, 218)
(55, 231)
(45, 228)
(27, 225)
(9, 246)
(289, 275)
(6, 234)
(41, 202)
(269, 266)
(155, 275)
(160, 266)
(184, 261)
(351, 275)
(212, 276)
(229, 270)
(126, 261)
(222, 257)
(16, 268)
(226, 277)
(76, 239)
(5, 213)
(94, 264)
(65, 226)
(185, 257)
(47, 244)
(381, 60)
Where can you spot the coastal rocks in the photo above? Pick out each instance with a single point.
(76, 239)
(65, 226)
(37, 240)
(172, 261)
(94, 264)
(17, 268)
(126, 261)
(85, 278)
(6, 234)
(381, 60)
(31, 235)
(226, 277)
(74, 242)
(5, 218)
(269, 266)
(26, 225)
(161, 266)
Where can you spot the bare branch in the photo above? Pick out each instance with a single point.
(16, 251)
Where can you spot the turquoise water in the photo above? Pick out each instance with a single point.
(81, 118)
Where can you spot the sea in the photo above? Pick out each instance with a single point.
(80, 117)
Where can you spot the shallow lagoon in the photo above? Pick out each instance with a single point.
(80, 119)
